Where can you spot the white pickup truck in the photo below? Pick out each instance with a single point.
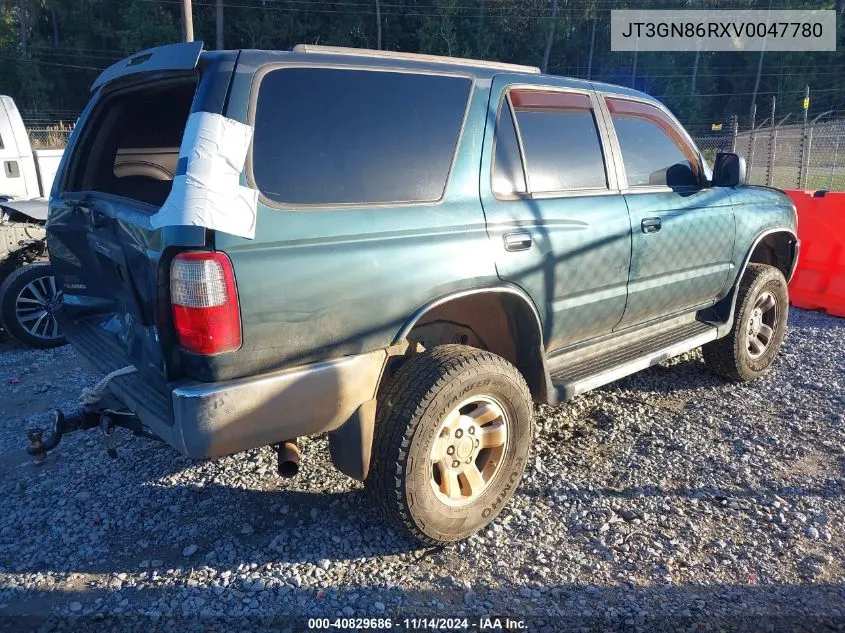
(28, 294)
(27, 174)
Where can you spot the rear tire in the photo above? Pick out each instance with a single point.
(453, 434)
(762, 310)
(27, 300)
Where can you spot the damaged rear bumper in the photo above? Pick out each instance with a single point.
(202, 419)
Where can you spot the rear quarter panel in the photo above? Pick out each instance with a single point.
(321, 283)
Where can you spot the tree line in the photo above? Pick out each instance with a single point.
(51, 50)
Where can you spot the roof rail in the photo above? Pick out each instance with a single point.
(439, 59)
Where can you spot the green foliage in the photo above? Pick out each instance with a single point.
(67, 41)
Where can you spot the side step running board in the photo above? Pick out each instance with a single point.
(608, 361)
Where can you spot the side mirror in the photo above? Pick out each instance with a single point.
(728, 170)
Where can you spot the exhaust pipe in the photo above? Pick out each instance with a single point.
(288, 458)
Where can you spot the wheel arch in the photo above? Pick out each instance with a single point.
(503, 318)
(776, 247)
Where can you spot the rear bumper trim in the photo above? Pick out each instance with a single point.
(221, 418)
(208, 419)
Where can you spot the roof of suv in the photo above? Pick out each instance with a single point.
(416, 57)
(479, 68)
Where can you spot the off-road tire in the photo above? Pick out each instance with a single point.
(412, 403)
(9, 292)
(729, 356)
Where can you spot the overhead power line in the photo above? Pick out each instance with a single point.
(45, 63)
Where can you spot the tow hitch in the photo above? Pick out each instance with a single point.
(81, 420)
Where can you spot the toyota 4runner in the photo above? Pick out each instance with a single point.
(402, 251)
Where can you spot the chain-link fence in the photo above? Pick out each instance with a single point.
(787, 156)
(50, 136)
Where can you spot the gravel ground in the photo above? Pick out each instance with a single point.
(671, 500)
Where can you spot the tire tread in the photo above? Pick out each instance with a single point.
(403, 399)
(722, 356)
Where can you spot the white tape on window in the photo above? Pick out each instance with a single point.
(210, 193)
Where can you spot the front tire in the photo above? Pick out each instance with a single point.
(762, 310)
(28, 298)
(453, 434)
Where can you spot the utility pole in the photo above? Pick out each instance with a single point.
(550, 37)
(734, 132)
(634, 69)
(760, 61)
(187, 21)
(752, 140)
(695, 66)
(378, 25)
(592, 45)
(806, 103)
(805, 141)
(219, 15)
(773, 142)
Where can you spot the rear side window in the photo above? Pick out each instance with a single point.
(327, 136)
(560, 139)
(654, 151)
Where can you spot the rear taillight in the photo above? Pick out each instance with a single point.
(205, 302)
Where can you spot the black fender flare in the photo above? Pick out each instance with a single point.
(722, 312)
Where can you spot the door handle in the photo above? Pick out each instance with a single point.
(651, 225)
(12, 169)
(517, 241)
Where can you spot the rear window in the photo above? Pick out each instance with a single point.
(130, 144)
(327, 136)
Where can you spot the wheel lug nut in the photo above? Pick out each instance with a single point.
(477, 442)
(450, 450)
(456, 464)
(472, 430)
(459, 433)
(469, 461)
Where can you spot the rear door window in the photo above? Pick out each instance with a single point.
(560, 140)
(654, 151)
(328, 136)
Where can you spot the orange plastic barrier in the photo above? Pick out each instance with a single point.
(819, 280)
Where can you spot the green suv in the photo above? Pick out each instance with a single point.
(402, 251)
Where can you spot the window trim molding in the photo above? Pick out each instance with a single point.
(514, 195)
(608, 159)
(622, 175)
(252, 105)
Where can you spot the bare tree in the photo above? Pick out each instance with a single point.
(592, 46)
(219, 25)
(759, 66)
(482, 44)
(695, 66)
(55, 22)
(550, 37)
